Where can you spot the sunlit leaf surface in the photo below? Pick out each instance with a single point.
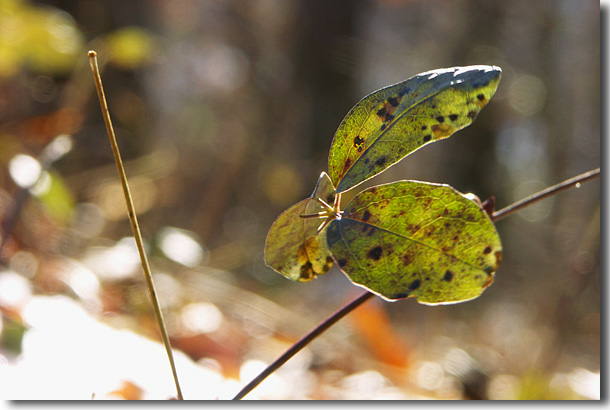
(391, 123)
(294, 247)
(416, 239)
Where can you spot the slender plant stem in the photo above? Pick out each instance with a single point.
(133, 219)
(342, 312)
(294, 349)
(569, 183)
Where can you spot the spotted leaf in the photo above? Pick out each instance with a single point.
(294, 247)
(391, 123)
(416, 239)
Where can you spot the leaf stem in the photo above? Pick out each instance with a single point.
(562, 186)
(133, 218)
(294, 349)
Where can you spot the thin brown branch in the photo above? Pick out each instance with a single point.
(294, 349)
(555, 189)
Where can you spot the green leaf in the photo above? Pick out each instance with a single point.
(416, 239)
(294, 247)
(391, 123)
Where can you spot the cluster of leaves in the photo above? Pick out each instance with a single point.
(407, 238)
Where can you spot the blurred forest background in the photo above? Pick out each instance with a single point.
(224, 112)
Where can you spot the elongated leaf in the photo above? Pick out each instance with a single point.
(416, 239)
(294, 248)
(391, 123)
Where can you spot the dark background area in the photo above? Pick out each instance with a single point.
(224, 112)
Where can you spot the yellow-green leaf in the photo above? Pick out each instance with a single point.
(294, 247)
(416, 239)
(391, 123)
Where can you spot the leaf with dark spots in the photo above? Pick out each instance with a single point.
(393, 121)
(294, 247)
(400, 249)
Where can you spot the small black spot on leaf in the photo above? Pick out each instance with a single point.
(367, 215)
(472, 114)
(480, 97)
(348, 162)
(427, 138)
(380, 162)
(453, 117)
(415, 284)
(403, 92)
(388, 117)
(342, 262)
(448, 276)
(366, 161)
(375, 253)
(424, 128)
(382, 112)
(358, 141)
(487, 250)
(307, 272)
(440, 119)
(393, 101)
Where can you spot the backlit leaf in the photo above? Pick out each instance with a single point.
(294, 247)
(391, 123)
(416, 239)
